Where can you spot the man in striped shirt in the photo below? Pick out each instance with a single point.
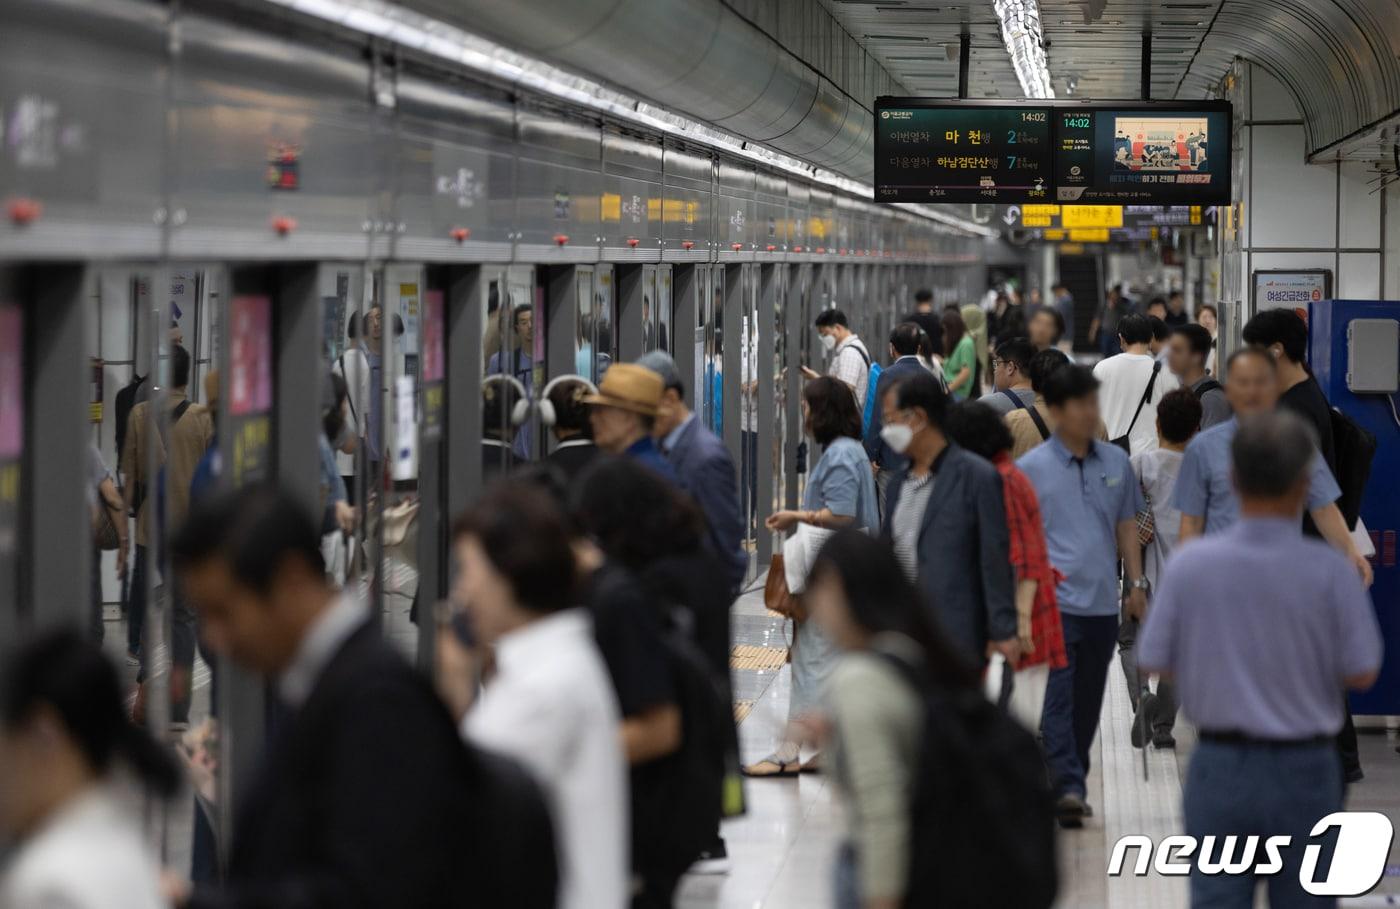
(850, 361)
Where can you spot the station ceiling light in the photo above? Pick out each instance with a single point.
(1020, 30)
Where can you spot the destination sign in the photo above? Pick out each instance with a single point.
(1139, 154)
(1153, 154)
(950, 152)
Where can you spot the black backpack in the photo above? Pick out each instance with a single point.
(1355, 448)
(982, 831)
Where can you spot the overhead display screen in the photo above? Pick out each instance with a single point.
(1134, 153)
(1149, 154)
(944, 151)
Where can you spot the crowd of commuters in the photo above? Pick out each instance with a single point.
(575, 744)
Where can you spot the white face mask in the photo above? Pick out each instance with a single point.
(828, 343)
(897, 436)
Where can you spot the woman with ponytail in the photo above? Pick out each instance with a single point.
(69, 813)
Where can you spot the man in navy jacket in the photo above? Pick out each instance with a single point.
(904, 351)
(704, 467)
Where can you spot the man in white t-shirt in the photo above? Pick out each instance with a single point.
(1127, 407)
(1178, 418)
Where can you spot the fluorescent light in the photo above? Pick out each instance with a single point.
(447, 42)
(1020, 30)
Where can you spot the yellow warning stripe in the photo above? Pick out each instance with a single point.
(747, 656)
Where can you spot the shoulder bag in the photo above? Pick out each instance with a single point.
(1123, 440)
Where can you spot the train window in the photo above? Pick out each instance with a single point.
(585, 326)
(605, 339)
(663, 307)
(651, 312)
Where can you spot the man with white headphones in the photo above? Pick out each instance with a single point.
(505, 405)
(562, 409)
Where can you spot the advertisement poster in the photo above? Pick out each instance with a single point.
(433, 370)
(250, 355)
(1291, 289)
(11, 383)
(408, 308)
(434, 366)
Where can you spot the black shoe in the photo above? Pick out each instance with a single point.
(1355, 775)
(1146, 708)
(712, 860)
(1163, 739)
(1071, 810)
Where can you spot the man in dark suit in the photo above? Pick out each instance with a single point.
(574, 436)
(703, 466)
(365, 795)
(947, 521)
(904, 352)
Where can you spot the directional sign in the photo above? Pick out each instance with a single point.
(1013, 212)
(1091, 216)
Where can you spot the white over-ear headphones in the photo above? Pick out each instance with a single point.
(546, 406)
(521, 412)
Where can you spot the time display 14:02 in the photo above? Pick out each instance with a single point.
(1077, 122)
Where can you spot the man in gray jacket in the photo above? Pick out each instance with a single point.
(946, 518)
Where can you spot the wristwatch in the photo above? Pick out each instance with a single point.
(1140, 584)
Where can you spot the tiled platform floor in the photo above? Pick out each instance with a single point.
(781, 850)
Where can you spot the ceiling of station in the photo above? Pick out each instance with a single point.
(1339, 58)
(1094, 47)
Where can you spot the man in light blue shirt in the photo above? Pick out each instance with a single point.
(1261, 627)
(1204, 493)
(1088, 500)
(517, 360)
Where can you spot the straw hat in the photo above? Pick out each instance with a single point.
(628, 386)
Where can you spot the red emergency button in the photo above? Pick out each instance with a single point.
(797, 249)
(284, 225)
(632, 242)
(687, 244)
(821, 250)
(23, 211)
(460, 234)
(770, 247)
(736, 246)
(561, 239)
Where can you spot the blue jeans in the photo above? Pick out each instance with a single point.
(1260, 790)
(1073, 697)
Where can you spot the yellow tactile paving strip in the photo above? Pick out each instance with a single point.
(741, 710)
(747, 656)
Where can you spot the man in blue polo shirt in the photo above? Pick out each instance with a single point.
(1261, 628)
(1088, 499)
(1204, 494)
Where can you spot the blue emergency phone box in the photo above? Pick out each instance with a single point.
(1331, 351)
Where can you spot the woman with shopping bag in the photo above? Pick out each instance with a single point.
(840, 493)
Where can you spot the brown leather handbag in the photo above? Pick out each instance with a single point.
(776, 595)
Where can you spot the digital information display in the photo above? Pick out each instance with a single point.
(1147, 154)
(962, 153)
(1167, 153)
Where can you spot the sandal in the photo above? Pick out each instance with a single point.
(779, 769)
(813, 764)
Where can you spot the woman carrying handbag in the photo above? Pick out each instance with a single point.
(840, 493)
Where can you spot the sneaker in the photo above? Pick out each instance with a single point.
(712, 860)
(1163, 739)
(133, 659)
(1071, 810)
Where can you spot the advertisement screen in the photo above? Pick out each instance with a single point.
(1145, 155)
(933, 151)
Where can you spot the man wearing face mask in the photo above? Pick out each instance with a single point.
(946, 518)
(849, 360)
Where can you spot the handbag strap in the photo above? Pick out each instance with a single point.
(1146, 395)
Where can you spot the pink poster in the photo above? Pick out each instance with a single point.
(433, 356)
(250, 355)
(11, 383)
